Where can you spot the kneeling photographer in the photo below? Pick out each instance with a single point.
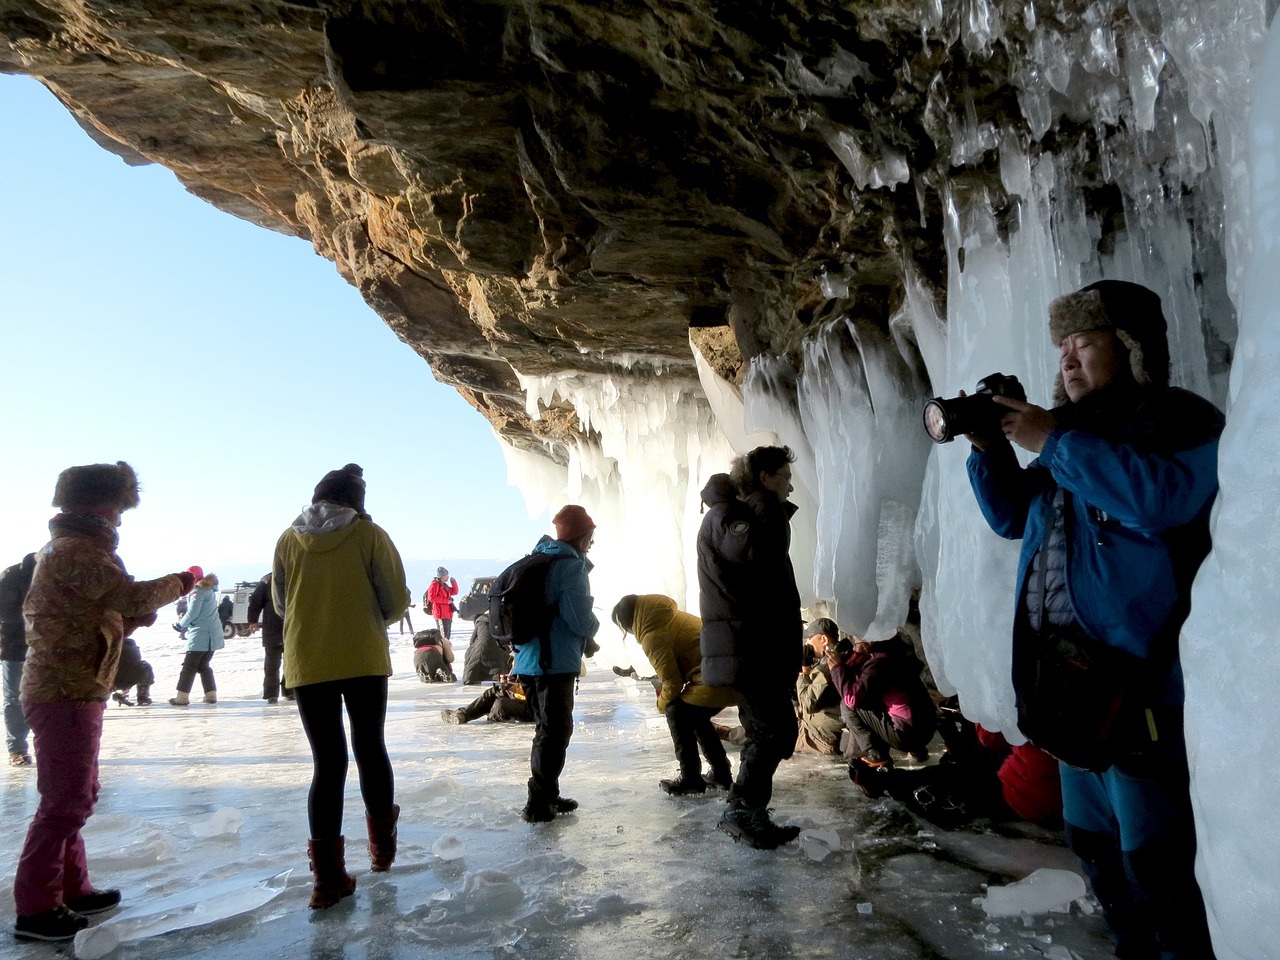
(1113, 518)
(885, 705)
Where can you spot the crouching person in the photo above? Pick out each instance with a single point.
(885, 703)
(79, 608)
(669, 638)
(433, 657)
(337, 581)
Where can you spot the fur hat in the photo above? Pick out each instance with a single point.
(572, 523)
(345, 487)
(97, 485)
(1129, 310)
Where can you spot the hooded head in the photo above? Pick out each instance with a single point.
(97, 486)
(344, 487)
(572, 523)
(1131, 312)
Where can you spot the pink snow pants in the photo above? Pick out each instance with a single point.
(53, 868)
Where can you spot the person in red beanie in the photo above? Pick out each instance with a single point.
(549, 679)
(79, 609)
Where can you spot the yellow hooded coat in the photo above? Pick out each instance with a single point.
(669, 638)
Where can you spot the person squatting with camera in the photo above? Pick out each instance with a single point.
(1113, 518)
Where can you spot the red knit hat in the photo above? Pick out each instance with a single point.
(572, 523)
(196, 572)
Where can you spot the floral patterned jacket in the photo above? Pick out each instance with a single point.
(79, 609)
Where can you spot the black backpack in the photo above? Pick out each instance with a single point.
(518, 609)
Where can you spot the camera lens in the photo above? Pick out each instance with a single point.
(936, 422)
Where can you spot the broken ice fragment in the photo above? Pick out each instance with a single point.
(449, 847)
(1041, 892)
(223, 822)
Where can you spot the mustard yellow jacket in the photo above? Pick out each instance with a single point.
(669, 638)
(337, 580)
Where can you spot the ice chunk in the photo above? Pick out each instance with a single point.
(449, 847)
(223, 822)
(194, 907)
(1041, 892)
(817, 845)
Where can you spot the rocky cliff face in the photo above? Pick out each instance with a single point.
(526, 188)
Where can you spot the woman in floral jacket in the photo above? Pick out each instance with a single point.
(81, 606)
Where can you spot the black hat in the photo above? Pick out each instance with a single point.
(823, 625)
(345, 487)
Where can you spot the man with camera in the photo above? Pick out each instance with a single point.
(1113, 518)
(817, 700)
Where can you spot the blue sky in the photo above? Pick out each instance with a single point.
(230, 365)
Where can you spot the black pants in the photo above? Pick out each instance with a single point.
(551, 701)
(497, 704)
(769, 720)
(193, 663)
(873, 732)
(320, 707)
(446, 627)
(272, 673)
(691, 728)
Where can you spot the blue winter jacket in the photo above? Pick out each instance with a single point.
(203, 626)
(574, 623)
(1140, 469)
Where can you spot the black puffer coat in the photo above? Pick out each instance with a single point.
(14, 584)
(261, 607)
(751, 626)
(485, 659)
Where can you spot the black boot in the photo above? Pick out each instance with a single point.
(753, 826)
(684, 784)
(144, 695)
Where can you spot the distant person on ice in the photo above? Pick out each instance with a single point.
(439, 597)
(79, 609)
(262, 609)
(751, 627)
(203, 630)
(549, 680)
(433, 657)
(338, 582)
(14, 583)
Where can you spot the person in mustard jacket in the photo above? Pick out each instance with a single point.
(338, 581)
(669, 638)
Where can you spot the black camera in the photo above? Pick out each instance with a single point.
(808, 656)
(843, 649)
(944, 420)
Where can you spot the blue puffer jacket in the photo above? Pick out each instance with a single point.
(203, 626)
(569, 590)
(1140, 471)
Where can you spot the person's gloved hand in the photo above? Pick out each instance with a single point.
(592, 647)
(188, 581)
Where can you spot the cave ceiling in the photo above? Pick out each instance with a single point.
(536, 187)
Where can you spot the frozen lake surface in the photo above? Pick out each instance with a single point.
(634, 873)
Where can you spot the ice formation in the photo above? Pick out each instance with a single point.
(1044, 891)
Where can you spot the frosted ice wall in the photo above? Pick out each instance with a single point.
(859, 403)
(1229, 650)
(648, 442)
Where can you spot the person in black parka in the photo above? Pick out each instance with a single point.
(751, 626)
(262, 609)
(14, 584)
(486, 659)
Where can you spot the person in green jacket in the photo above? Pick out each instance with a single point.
(338, 581)
(669, 638)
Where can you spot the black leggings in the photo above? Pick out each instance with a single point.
(320, 707)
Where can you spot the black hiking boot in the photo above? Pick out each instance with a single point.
(95, 901)
(751, 825)
(59, 923)
(684, 785)
(564, 805)
(719, 779)
(537, 811)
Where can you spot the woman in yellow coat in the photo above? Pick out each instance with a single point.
(337, 580)
(669, 638)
